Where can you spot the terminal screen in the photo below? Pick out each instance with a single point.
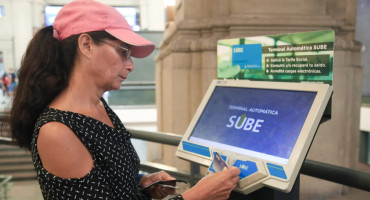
(262, 123)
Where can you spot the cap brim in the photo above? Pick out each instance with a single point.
(140, 47)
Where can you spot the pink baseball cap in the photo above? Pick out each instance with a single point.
(82, 16)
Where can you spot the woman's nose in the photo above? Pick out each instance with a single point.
(129, 65)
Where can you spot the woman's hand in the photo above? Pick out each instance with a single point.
(157, 192)
(215, 186)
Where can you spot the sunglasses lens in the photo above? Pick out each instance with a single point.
(125, 52)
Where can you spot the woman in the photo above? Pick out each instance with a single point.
(80, 148)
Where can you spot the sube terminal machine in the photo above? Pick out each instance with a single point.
(263, 128)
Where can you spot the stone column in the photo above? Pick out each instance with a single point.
(26, 19)
(187, 64)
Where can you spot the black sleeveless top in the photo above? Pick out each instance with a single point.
(116, 163)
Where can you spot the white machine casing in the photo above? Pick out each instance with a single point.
(265, 173)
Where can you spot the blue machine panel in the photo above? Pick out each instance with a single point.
(198, 149)
(276, 170)
(247, 168)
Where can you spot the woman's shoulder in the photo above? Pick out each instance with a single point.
(62, 152)
(49, 114)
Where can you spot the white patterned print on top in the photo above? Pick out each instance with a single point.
(116, 164)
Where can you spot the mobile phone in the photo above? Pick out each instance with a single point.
(218, 163)
(167, 183)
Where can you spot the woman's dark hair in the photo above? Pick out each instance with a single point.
(45, 71)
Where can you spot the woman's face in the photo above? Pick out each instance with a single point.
(112, 64)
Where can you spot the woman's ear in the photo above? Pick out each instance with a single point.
(85, 45)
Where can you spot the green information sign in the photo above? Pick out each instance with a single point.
(296, 57)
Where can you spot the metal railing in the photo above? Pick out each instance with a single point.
(4, 185)
(333, 173)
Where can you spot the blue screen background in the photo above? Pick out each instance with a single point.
(277, 134)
